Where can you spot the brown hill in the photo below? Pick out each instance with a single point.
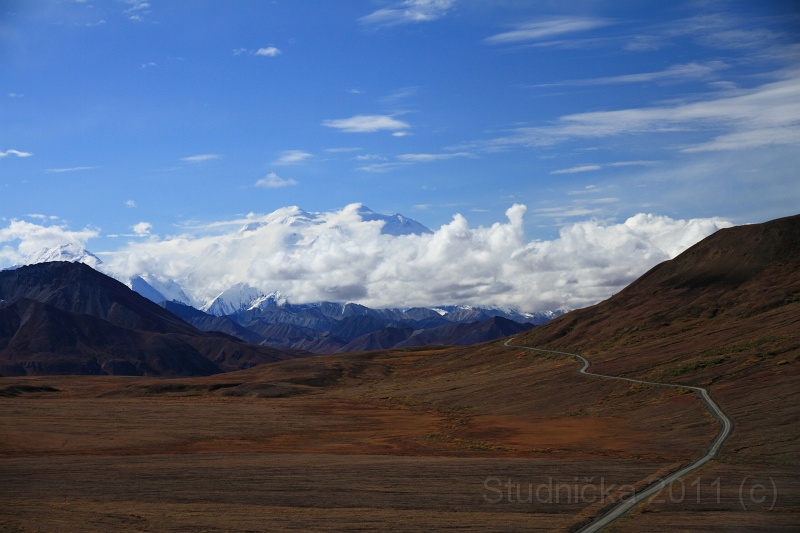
(724, 315)
(740, 286)
(67, 318)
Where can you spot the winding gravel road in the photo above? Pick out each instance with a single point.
(621, 508)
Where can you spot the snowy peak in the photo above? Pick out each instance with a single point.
(470, 313)
(159, 290)
(71, 253)
(239, 297)
(395, 224)
(243, 297)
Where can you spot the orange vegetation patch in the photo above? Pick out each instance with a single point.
(576, 436)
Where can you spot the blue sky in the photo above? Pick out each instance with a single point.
(132, 120)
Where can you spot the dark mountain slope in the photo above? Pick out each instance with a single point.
(37, 339)
(68, 318)
(725, 314)
(79, 288)
(378, 340)
(465, 334)
(734, 274)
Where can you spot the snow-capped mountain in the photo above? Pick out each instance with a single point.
(159, 290)
(244, 298)
(394, 224)
(71, 252)
(249, 303)
(236, 299)
(470, 313)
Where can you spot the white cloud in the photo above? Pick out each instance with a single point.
(70, 169)
(370, 157)
(200, 158)
(137, 10)
(273, 181)
(290, 157)
(379, 167)
(270, 51)
(425, 158)
(408, 11)
(634, 163)
(345, 258)
(142, 229)
(574, 170)
(342, 150)
(367, 124)
(130, 203)
(16, 153)
(21, 238)
(137, 5)
(766, 115)
(348, 259)
(688, 71)
(544, 29)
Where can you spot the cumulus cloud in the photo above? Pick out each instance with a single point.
(269, 51)
(367, 124)
(142, 229)
(17, 153)
(130, 203)
(273, 181)
(290, 157)
(342, 257)
(408, 11)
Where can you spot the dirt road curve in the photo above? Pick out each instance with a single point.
(626, 505)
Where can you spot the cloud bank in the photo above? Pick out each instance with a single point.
(22, 238)
(338, 256)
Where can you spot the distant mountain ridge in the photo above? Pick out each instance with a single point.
(327, 327)
(270, 319)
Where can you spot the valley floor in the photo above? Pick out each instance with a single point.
(471, 439)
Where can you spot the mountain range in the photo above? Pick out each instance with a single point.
(328, 327)
(271, 319)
